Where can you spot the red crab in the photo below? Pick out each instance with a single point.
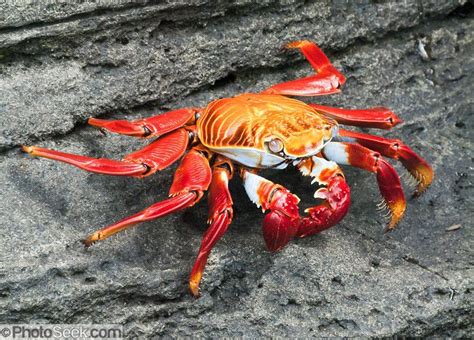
(254, 131)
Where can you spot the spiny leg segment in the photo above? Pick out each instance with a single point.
(383, 118)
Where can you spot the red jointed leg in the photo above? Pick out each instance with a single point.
(321, 84)
(184, 194)
(220, 216)
(387, 178)
(394, 148)
(327, 81)
(375, 117)
(149, 127)
(154, 157)
(317, 58)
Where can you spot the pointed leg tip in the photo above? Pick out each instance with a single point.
(420, 190)
(297, 44)
(425, 183)
(395, 120)
(87, 242)
(396, 210)
(94, 122)
(392, 225)
(420, 169)
(396, 216)
(194, 289)
(27, 149)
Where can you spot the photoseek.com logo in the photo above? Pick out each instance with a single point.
(61, 331)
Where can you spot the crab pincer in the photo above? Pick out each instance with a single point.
(280, 225)
(283, 223)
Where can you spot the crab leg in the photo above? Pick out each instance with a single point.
(192, 178)
(149, 127)
(394, 148)
(387, 178)
(154, 157)
(327, 81)
(220, 216)
(375, 117)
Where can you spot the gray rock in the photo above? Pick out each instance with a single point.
(60, 65)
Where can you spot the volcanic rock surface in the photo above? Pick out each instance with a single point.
(60, 64)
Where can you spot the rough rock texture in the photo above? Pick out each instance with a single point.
(61, 64)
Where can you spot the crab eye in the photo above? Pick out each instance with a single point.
(275, 145)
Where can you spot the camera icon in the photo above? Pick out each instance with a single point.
(5, 332)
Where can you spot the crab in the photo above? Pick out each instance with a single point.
(254, 131)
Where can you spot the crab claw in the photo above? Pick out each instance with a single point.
(335, 193)
(281, 223)
(335, 206)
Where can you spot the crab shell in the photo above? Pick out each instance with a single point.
(262, 131)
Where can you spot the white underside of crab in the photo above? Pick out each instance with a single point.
(253, 158)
